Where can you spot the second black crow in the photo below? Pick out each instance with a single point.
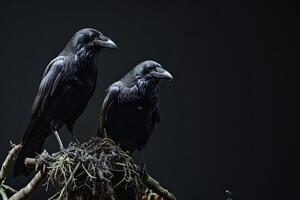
(130, 109)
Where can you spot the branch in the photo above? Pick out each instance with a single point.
(27, 191)
(228, 194)
(4, 170)
(10, 156)
(154, 185)
(6, 187)
(3, 194)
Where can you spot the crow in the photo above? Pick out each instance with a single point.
(67, 84)
(130, 109)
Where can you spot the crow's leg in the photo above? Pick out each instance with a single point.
(61, 146)
(70, 129)
(144, 168)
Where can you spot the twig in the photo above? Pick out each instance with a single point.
(69, 180)
(4, 169)
(27, 191)
(54, 196)
(154, 185)
(3, 194)
(6, 187)
(10, 156)
(228, 194)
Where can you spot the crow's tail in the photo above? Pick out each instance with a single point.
(33, 141)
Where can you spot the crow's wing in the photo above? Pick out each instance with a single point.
(108, 106)
(48, 86)
(38, 129)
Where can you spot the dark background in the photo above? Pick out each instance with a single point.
(229, 115)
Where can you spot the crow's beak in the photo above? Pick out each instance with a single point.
(161, 73)
(108, 44)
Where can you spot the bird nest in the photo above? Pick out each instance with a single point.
(97, 169)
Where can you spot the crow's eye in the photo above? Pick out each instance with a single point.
(152, 68)
(149, 69)
(92, 36)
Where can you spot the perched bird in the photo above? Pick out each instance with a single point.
(130, 109)
(67, 84)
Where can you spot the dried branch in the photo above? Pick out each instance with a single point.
(4, 170)
(228, 195)
(10, 156)
(10, 189)
(27, 191)
(154, 185)
(3, 194)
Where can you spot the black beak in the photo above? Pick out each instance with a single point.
(107, 44)
(161, 73)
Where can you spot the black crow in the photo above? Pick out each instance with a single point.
(130, 108)
(67, 84)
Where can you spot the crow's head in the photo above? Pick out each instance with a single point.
(90, 40)
(143, 81)
(151, 71)
(145, 75)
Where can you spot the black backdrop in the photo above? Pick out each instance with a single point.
(228, 117)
